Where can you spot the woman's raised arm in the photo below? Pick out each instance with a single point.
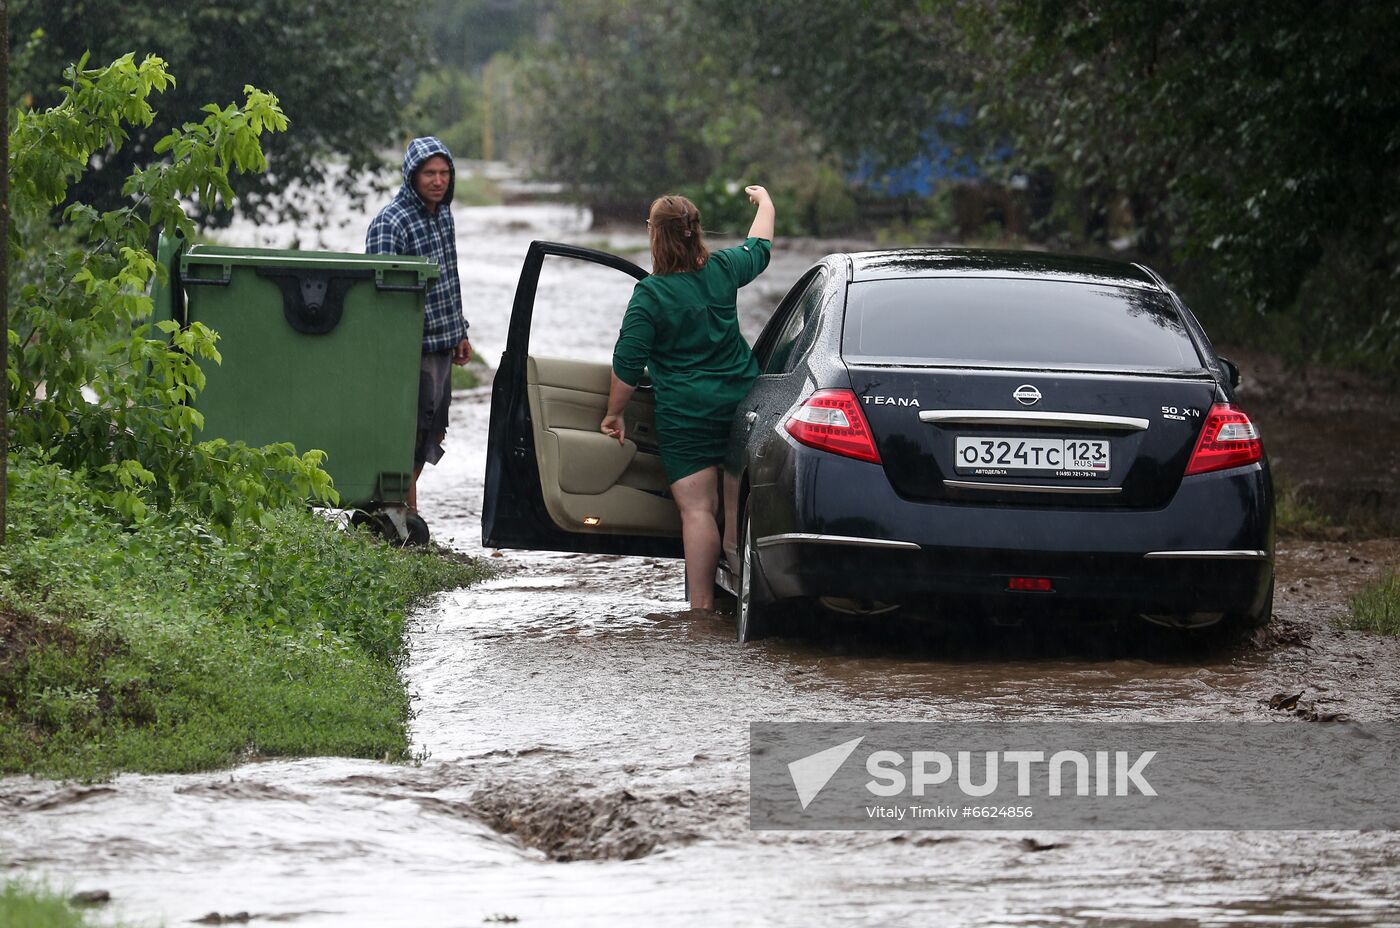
(763, 219)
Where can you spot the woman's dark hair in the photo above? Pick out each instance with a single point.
(677, 242)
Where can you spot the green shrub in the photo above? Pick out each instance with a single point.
(821, 198)
(90, 380)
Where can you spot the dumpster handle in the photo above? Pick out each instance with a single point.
(400, 288)
(209, 281)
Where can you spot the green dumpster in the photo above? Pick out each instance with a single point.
(320, 349)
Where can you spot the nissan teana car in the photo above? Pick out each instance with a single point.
(963, 432)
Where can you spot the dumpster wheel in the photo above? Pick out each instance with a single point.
(397, 525)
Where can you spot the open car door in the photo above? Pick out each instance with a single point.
(554, 482)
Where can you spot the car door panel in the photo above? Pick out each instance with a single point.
(553, 481)
(590, 482)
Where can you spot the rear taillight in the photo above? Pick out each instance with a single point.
(831, 420)
(1228, 439)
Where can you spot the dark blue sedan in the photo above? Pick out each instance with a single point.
(975, 434)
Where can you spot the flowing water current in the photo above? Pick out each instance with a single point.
(585, 741)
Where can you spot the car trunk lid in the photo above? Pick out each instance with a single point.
(1058, 438)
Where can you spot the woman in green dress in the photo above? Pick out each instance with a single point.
(682, 324)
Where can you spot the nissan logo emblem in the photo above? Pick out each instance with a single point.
(1027, 395)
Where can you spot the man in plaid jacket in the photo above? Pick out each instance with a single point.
(418, 221)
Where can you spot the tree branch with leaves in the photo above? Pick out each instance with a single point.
(92, 385)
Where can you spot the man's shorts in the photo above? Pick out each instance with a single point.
(434, 398)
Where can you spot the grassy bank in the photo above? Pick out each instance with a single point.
(164, 648)
(36, 907)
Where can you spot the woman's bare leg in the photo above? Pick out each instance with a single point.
(697, 498)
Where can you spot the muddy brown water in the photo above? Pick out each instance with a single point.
(584, 748)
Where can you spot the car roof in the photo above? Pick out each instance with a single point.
(981, 262)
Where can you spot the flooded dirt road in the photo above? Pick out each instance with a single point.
(584, 751)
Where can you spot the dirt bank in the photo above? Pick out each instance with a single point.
(1332, 437)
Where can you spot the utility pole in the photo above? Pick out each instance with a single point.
(4, 260)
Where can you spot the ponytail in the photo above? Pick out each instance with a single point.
(677, 239)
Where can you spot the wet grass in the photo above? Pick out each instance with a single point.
(37, 907)
(464, 378)
(1296, 515)
(163, 648)
(1332, 513)
(474, 374)
(1377, 607)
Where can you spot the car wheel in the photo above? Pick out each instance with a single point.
(1237, 628)
(1242, 625)
(1263, 616)
(749, 612)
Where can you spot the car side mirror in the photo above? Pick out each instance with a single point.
(1232, 371)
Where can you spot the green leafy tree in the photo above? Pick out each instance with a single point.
(91, 385)
(344, 69)
(465, 96)
(449, 103)
(1252, 144)
(869, 77)
(1258, 139)
(627, 100)
(4, 261)
(466, 34)
(612, 110)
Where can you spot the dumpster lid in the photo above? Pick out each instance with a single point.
(223, 255)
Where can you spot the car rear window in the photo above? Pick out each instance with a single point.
(994, 322)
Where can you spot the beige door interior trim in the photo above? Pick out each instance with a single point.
(589, 482)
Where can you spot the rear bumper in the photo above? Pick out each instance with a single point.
(1102, 585)
(839, 529)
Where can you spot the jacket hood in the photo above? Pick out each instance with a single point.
(420, 150)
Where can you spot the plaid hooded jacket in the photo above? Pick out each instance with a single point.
(406, 227)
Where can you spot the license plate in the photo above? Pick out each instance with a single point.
(994, 456)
